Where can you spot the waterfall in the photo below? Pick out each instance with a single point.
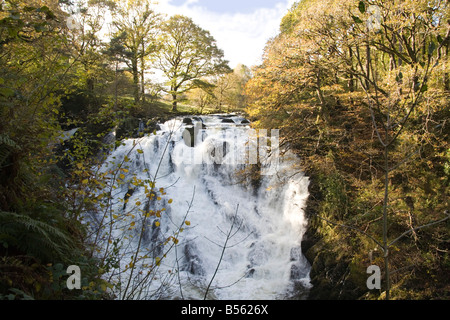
(194, 203)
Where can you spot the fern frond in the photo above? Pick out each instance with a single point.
(7, 145)
(35, 237)
(6, 140)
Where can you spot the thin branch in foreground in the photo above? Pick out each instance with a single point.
(418, 228)
(224, 247)
(353, 228)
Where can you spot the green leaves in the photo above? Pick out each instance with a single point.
(357, 19)
(189, 53)
(49, 15)
(6, 92)
(362, 7)
(424, 88)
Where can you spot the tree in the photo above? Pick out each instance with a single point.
(188, 54)
(201, 97)
(358, 89)
(137, 24)
(230, 88)
(115, 53)
(37, 234)
(411, 35)
(83, 31)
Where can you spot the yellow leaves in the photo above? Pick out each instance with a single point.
(85, 181)
(136, 182)
(157, 224)
(149, 214)
(132, 225)
(170, 201)
(173, 239)
(100, 196)
(140, 151)
(138, 203)
(188, 223)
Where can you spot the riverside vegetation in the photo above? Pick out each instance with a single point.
(358, 89)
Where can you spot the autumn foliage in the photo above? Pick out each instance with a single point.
(360, 90)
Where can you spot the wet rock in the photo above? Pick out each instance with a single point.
(192, 262)
(298, 271)
(228, 121)
(156, 243)
(127, 196)
(250, 272)
(187, 121)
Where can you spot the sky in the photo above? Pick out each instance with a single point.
(240, 27)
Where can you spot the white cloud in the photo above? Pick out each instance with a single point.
(241, 36)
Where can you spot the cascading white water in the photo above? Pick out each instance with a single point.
(201, 205)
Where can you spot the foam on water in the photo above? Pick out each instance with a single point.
(263, 258)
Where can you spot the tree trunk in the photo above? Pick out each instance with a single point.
(143, 75)
(174, 102)
(142, 86)
(446, 75)
(385, 222)
(351, 81)
(135, 80)
(116, 86)
(368, 56)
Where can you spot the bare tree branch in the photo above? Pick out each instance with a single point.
(418, 228)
